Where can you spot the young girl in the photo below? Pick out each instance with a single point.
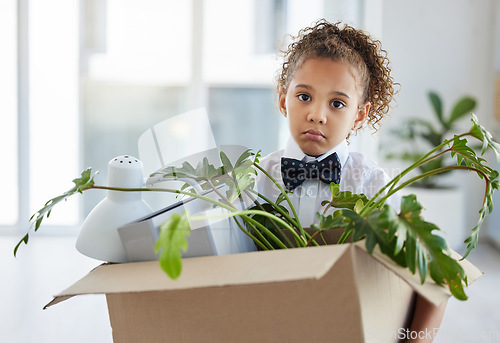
(334, 80)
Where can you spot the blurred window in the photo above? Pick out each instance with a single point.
(95, 74)
(8, 113)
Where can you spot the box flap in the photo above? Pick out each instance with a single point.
(430, 290)
(243, 269)
(209, 271)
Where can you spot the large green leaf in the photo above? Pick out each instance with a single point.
(426, 130)
(426, 251)
(329, 222)
(246, 156)
(226, 163)
(171, 243)
(437, 105)
(485, 137)
(376, 230)
(237, 177)
(463, 107)
(203, 171)
(407, 239)
(344, 199)
(84, 182)
(487, 208)
(467, 156)
(243, 177)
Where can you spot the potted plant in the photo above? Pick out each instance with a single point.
(404, 237)
(422, 134)
(418, 134)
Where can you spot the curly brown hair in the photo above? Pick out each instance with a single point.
(348, 45)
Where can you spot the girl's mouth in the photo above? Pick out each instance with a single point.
(314, 135)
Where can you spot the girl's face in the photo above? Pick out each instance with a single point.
(322, 104)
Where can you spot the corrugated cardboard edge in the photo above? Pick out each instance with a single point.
(380, 290)
(430, 290)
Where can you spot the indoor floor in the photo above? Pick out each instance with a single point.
(50, 264)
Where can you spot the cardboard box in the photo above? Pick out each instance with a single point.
(334, 293)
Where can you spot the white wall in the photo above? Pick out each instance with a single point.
(448, 46)
(493, 221)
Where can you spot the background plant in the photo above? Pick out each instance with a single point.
(405, 237)
(431, 133)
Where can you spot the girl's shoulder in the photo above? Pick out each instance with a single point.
(359, 160)
(362, 175)
(360, 168)
(271, 159)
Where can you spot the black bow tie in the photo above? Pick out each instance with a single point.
(294, 172)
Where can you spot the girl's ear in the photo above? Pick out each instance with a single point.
(361, 116)
(282, 103)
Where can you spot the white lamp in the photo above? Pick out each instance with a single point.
(99, 237)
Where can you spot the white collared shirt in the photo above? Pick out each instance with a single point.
(358, 175)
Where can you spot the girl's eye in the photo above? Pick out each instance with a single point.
(304, 97)
(337, 104)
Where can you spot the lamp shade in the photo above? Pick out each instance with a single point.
(98, 237)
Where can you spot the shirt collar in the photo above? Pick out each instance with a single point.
(292, 150)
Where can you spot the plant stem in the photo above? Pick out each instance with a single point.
(344, 237)
(205, 198)
(261, 237)
(276, 227)
(286, 215)
(253, 222)
(299, 226)
(392, 184)
(224, 199)
(245, 213)
(430, 173)
(312, 238)
(167, 190)
(320, 233)
(261, 241)
(257, 241)
(276, 207)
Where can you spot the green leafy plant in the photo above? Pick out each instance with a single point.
(405, 237)
(431, 133)
(173, 240)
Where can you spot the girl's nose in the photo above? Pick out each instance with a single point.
(317, 115)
